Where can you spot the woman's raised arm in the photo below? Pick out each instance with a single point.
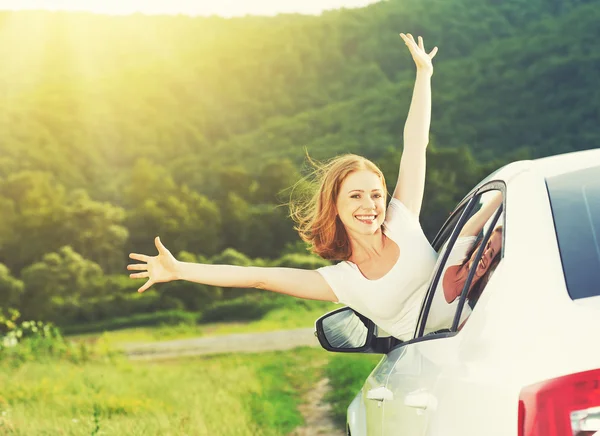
(411, 177)
(474, 225)
(164, 267)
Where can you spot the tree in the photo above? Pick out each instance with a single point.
(62, 276)
(275, 180)
(35, 213)
(95, 230)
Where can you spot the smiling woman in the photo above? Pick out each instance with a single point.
(385, 258)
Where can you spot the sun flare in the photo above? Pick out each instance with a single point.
(226, 8)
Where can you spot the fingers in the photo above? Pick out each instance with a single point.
(159, 246)
(410, 42)
(141, 257)
(408, 39)
(138, 266)
(412, 47)
(142, 275)
(146, 286)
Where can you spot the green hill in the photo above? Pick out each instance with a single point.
(117, 129)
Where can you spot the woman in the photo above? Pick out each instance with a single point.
(385, 257)
(461, 258)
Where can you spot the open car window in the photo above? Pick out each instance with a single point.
(468, 256)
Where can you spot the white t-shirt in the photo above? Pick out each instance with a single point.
(393, 301)
(441, 313)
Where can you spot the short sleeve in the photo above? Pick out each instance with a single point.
(460, 249)
(398, 217)
(339, 279)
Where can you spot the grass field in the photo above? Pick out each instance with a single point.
(101, 393)
(254, 394)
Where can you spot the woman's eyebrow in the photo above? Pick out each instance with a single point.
(361, 190)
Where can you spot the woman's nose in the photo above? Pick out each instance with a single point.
(369, 203)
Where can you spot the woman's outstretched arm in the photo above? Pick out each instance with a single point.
(291, 281)
(411, 177)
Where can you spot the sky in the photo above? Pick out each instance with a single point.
(226, 8)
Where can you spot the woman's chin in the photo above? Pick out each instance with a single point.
(365, 230)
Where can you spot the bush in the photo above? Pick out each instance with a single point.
(230, 256)
(35, 341)
(169, 317)
(245, 308)
(117, 306)
(303, 261)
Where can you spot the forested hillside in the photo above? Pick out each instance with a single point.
(118, 129)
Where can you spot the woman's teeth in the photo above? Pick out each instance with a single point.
(366, 219)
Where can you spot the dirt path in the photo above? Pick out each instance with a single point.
(235, 343)
(317, 414)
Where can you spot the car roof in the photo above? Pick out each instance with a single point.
(547, 166)
(566, 163)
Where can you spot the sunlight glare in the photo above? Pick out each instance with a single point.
(226, 8)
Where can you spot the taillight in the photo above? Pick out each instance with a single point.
(564, 406)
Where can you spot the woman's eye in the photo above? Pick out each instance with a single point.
(377, 196)
(355, 196)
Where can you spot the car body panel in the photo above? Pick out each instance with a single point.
(356, 419)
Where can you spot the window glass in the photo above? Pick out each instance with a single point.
(482, 228)
(575, 200)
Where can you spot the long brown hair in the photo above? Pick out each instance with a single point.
(477, 288)
(316, 217)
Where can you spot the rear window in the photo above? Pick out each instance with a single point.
(575, 200)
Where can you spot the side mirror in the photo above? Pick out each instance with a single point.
(346, 331)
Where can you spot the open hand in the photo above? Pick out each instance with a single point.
(161, 268)
(421, 57)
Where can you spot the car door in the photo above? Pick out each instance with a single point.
(417, 364)
(375, 393)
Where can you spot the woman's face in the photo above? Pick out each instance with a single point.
(492, 249)
(361, 203)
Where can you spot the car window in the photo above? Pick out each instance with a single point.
(575, 200)
(467, 260)
(439, 241)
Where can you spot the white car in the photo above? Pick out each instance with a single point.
(521, 354)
